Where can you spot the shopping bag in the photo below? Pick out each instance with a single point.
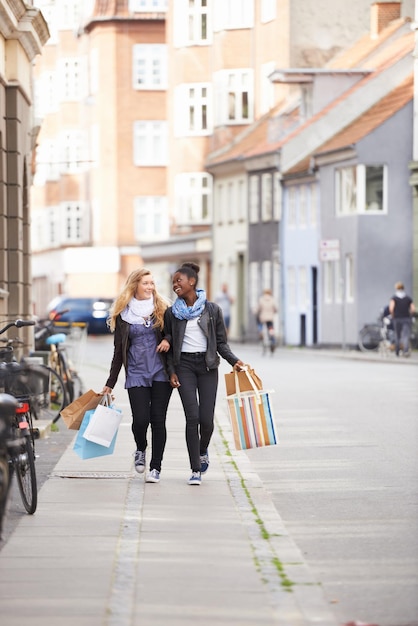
(88, 449)
(103, 424)
(73, 413)
(246, 380)
(252, 420)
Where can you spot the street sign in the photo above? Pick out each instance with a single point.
(329, 250)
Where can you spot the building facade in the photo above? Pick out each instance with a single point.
(23, 32)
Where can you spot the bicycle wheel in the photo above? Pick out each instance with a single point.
(48, 395)
(65, 374)
(24, 466)
(369, 337)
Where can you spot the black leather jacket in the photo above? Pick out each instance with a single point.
(212, 324)
(121, 347)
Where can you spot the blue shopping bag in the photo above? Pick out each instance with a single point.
(88, 449)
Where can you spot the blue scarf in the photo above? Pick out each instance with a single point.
(184, 312)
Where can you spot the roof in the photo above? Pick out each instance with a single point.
(376, 54)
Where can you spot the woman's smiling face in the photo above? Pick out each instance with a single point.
(182, 285)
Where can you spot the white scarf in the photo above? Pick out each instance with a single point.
(138, 311)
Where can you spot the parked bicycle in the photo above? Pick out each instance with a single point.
(47, 339)
(375, 336)
(42, 384)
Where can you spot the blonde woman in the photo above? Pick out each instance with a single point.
(137, 320)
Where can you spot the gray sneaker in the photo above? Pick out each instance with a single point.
(153, 476)
(139, 461)
(204, 462)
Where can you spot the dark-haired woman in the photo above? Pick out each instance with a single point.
(197, 334)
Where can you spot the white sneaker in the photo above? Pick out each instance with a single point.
(153, 476)
(195, 479)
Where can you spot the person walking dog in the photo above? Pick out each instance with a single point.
(195, 328)
(137, 319)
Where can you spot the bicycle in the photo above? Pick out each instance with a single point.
(376, 336)
(43, 385)
(47, 337)
(267, 338)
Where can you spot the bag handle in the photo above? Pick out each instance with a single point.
(106, 399)
(237, 387)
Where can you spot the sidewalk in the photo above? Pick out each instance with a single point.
(107, 549)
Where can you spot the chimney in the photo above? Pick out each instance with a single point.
(382, 13)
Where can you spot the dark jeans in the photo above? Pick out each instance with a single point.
(403, 327)
(149, 406)
(198, 387)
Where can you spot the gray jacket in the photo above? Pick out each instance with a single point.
(212, 324)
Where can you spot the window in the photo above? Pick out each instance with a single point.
(303, 208)
(339, 282)
(192, 23)
(193, 198)
(266, 197)
(220, 203)
(150, 66)
(193, 109)
(242, 200)
(303, 288)
(235, 96)
(349, 278)
(277, 206)
(266, 275)
(328, 267)
(254, 285)
(150, 143)
(313, 204)
(72, 80)
(69, 14)
(151, 218)
(73, 223)
(291, 220)
(268, 10)
(138, 6)
(230, 14)
(71, 146)
(254, 199)
(361, 189)
(230, 202)
(291, 287)
(45, 89)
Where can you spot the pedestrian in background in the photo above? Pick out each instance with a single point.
(401, 308)
(225, 300)
(137, 319)
(196, 330)
(265, 316)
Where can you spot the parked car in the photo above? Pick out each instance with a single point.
(93, 311)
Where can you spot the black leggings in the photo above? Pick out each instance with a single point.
(198, 387)
(149, 406)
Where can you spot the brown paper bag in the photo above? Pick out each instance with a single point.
(244, 383)
(73, 413)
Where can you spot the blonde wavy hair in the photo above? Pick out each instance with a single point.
(128, 292)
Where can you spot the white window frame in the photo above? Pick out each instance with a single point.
(233, 14)
(291, 207)
(73, 223)
(350, 190)
(266, 197)
(254, 285)
(242, 200)
(193, 198)
(233, 87)
(150, 143)
(146, 6)
(149, 66)
(151, 222)
(349, 278)
(303, 296)
(254, 199)
(230, 201)
(68, 14)
(313, 202)
(193, 107)
(71, 71)
(278, 197)
(329, 281)
(268, 10)
(303, 207)
(291, 287)
(71, 151)
(219, 206)
(190, 19)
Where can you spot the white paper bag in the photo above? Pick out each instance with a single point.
(103, 425)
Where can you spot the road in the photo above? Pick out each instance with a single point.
(343, 477)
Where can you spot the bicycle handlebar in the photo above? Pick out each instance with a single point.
(18, 323)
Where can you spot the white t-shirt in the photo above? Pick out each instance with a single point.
(194, 338)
